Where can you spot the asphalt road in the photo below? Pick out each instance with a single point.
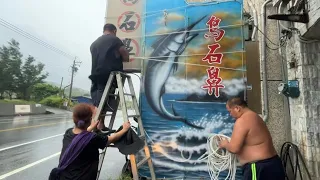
(30, 147)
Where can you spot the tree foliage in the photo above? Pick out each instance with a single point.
(43, 90)
(18, 77)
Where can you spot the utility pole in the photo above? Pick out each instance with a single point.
(74, 68)
(60, 86)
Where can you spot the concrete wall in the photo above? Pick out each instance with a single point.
(7, 109)
(278, 121)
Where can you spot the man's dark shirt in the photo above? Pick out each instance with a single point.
(105, 57)
(85, 166)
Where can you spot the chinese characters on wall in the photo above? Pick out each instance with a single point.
(126, 15)
(214, 81)
(132, 46)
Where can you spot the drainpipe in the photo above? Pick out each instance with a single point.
(255, 21)
(263, 59)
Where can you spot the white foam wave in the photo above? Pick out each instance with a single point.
(172, 144)
(179, 166)
(189, 86)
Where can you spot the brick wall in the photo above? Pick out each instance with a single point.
(305, 110)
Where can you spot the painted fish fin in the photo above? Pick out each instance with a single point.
(185, 120)
(174, 111)
(158, 41)
(163, 90)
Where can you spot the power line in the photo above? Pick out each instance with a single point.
(33, 38)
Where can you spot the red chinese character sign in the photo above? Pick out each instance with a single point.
(213, 83)
(129, 21)
(193, 64)
(132, 46)
(212, 57)
(129, 2)
(214, 31)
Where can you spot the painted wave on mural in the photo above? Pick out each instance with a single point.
(176, 148)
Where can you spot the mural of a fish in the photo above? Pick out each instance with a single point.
(161, 64)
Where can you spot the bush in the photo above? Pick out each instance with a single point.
(53, 101)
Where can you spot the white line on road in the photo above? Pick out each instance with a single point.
(18, 145)
(28, 166)
(30, 118)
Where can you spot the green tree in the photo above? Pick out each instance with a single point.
(43, 90)
(10, 62)
(30, 75)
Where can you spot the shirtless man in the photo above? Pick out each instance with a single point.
(252, 143)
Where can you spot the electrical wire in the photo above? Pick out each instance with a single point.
(291, 158)
(27, 35)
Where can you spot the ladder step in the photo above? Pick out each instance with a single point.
(133, 116)
(142, 162)
(126, 94)
(104, 115)
(112, 145)
(124, 75)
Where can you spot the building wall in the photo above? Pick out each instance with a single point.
(278, 121)
(305, 110)
(310, 30)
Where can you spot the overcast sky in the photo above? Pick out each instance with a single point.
(70, 25)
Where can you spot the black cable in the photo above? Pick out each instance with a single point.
(291, 158)
(27, 35)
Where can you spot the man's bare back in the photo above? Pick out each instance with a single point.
(252, 143)
(258, 142)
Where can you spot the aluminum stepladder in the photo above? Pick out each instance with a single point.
(120, 79)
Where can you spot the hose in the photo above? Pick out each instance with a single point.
(291, 158)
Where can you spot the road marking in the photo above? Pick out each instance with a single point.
(35, 117)
(38, 119)
(18, 145)
(28, 166)
(27, 127)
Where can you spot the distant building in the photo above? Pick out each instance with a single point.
(82, 99)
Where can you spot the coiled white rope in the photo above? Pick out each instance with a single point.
(219, 160)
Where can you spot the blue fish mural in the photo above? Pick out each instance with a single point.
(195, 62)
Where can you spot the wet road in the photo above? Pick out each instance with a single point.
(30, 147)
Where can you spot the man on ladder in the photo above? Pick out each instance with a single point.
(108, 53)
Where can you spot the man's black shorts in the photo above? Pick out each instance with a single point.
(96, 91)
(268, 169)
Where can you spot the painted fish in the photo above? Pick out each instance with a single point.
(166, 53)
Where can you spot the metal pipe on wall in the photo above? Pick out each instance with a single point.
(255, 20)
(265, 111)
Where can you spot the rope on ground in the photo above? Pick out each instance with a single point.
(291, 158)
(219, 160)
